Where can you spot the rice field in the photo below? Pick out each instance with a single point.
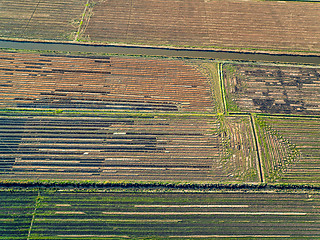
(111, 147)
(110, 83)
(67, 214)
(225, 24)
(16, 213)
(45, 19)
(290, 149)
(272, 89)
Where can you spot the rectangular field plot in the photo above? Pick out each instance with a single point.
(239, 150)
(107, 83)
(290, 149)
(45, 19)
(16, 211)
(83, 215)
(272, 89)
(230, 23)
(112, 147)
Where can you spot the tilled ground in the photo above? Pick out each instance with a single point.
(108, 83)
(112, 147)
(45, 19)
(272, 89)
(231, 23)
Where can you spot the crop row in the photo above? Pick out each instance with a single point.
(110, 148)
(272, 89)
(16, 214)
(101, 215)
(44, 81)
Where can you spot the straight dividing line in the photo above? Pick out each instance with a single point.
(81, 21)
(258, 151)
(222, 88)
(24, 29)
(33, 215)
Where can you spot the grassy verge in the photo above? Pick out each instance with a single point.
(142, 186)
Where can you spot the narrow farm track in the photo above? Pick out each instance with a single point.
(109, 83)
(98, 215)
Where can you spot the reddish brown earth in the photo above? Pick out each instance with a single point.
(109, 83)
(230, 23)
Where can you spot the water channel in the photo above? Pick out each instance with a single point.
(154, 51)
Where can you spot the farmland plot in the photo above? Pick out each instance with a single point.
(272, 89)
(290, 149)
(108, 83)
(112, 147)
(16, 212)
(239, 152)
(45, 19)
(94, 215)
(230, 23)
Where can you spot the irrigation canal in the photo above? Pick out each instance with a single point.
(154, 51)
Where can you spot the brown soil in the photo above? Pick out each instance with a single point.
(231, 23)
(110, 83)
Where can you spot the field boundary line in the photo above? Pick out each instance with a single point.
(275, 115)
(34, 214)
(129, 20)
(258, 150)
(81, 21)
(27, 25)
(222, 89)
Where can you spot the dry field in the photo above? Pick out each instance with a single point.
(272, 89)
(227, 23)
(239, 152)
(204, 23)
(111, 147)
(109, 83)
(126, 147)
(45, 19)
(149, 215)
(290, 149)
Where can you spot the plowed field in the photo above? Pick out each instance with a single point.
(272, 89)
(229, 23)
(109, 83)
(43, 19)
(111, 147)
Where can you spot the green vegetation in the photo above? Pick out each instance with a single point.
(100, 214)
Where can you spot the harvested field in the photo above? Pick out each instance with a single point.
(45, 19)
(16, 213)
(108, 83)
(97, 215)
(228, 23)
(111, 147)
(272, 89)
(290, 149)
